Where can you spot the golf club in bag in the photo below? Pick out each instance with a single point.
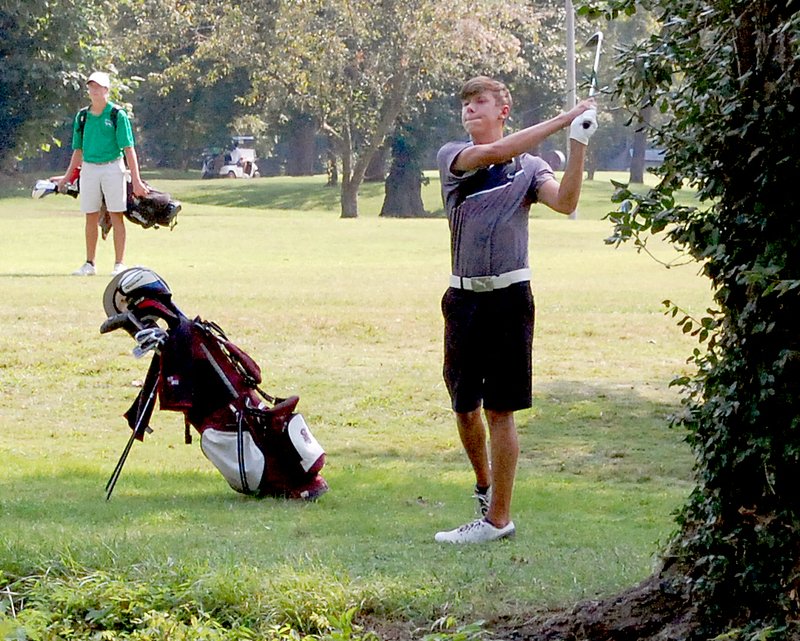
(157, 209)
(257, 442)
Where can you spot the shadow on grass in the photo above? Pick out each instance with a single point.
(269, 194)
(283, 194)
(276, 196)
(51, 275)
(603, 432)
(612, 432)
(77, 495)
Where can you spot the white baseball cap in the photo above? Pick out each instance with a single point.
(101, 78)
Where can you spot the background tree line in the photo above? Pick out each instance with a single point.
(353, 88)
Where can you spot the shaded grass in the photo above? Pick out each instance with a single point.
(303, 194)
(345, 313)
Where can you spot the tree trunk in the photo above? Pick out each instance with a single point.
(403, 197)
(349, 191)
(591, 165)
(376, 170)
(302, 155)
(349, 199)
(733, 134)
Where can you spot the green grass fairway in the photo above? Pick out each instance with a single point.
(344, 313)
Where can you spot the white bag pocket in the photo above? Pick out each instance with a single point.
(242, 464)
(304, 442)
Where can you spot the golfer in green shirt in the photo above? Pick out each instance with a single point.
(101, 136)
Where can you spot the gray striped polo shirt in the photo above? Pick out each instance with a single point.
(488, 211)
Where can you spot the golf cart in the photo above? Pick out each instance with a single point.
(239, 162)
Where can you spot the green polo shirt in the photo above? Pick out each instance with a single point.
(100, 143)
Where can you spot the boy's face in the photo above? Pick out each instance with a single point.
(481, 113)
(96, 90)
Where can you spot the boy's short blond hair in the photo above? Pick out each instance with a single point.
(481, 84)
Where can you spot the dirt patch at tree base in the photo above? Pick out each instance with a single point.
(655, 610)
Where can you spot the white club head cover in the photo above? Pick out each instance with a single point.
(583, 126)
(43, 188)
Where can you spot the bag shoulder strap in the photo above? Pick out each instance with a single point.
(82, 119)
(241, 360)
(83, 113)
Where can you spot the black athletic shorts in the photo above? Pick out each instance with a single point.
(488, 343)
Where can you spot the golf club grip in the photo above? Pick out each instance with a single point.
(118, 321)
(115, 322)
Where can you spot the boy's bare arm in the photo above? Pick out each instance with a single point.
(139, 188)
(75, 161)
(519, 142)
(563, 197)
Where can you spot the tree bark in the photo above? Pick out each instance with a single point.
(349, 191)
(376, 170)
(403, 197)
(591, 165)
(349, 199)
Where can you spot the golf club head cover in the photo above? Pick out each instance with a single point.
(44, 188)
(584, 126)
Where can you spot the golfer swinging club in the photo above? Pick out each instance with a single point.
(488, 186)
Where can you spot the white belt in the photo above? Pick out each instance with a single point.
(109, 162)
(490, 283)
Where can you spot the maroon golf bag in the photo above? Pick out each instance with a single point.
(258, 442)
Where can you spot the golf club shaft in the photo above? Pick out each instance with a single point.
(595, 67)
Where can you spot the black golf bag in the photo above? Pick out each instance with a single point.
(258, 442)
(157, 209)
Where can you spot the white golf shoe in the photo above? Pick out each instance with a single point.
(87, 269)
(479, 531)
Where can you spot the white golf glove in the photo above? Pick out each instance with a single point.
(584, 126)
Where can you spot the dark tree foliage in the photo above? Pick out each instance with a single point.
(726, 74)
(46, 51)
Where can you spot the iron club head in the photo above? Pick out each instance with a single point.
(596, 41)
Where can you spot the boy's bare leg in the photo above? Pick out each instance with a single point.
(505, 452)
(91, 236)
(472, 431)
(118, 225)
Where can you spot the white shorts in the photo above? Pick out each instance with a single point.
(106, 181)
